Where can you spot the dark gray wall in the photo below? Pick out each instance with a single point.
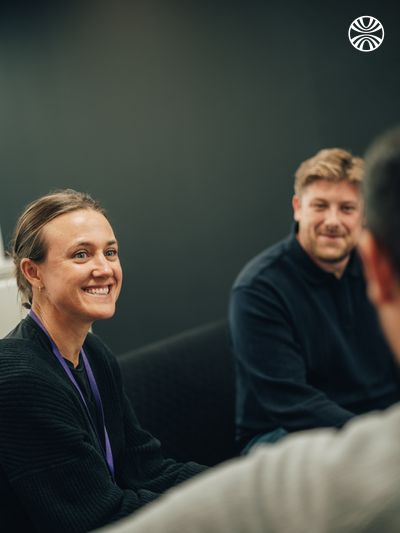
(187, 120)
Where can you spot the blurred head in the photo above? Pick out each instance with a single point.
(380, 243)
(382, 194)
(66, 257)
(328, 207)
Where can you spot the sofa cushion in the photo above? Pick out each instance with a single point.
(182, 389)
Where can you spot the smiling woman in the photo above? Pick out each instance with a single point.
(80, 279)
(72, 454)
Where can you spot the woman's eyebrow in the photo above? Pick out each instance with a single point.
(88, 243)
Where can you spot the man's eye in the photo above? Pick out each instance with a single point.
(81, 255)
(319, 206)
(348, 208)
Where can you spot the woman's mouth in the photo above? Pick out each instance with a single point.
(100, 291)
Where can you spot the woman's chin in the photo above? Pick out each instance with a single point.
(102, 314)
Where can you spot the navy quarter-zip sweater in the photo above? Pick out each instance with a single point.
(308, 346)
(53, 475)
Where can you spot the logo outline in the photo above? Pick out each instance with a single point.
(364, 38)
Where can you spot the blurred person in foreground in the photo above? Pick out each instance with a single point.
(73, 456)
(322, 480)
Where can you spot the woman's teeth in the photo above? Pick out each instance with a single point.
(98, 290)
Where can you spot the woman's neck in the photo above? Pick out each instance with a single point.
(68, 337)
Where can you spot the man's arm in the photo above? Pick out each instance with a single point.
(320, 481)
(273, 387)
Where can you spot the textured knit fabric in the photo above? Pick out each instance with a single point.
(81, 377)
(309, 348)
(53, 475)
(320, 481)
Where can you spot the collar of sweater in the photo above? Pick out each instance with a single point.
(313, 272)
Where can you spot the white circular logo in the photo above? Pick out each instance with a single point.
(366, 33)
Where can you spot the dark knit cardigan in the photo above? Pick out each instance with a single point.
(53, 475)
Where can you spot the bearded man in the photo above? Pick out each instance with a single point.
(309, 349)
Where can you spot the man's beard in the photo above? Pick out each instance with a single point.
(332, 259)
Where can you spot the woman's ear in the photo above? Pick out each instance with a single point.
(31, 272)
(379, 271)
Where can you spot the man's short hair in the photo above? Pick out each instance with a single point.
(382, 193)
(331, 164)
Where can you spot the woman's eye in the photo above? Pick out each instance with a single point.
(111, 253)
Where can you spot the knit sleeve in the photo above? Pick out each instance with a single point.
(48, 454)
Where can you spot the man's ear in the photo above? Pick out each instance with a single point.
(379, 271)
(31, 272)
(296, 203)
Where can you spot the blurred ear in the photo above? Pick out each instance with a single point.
(31, 272)
(381, 278)
(296, 204)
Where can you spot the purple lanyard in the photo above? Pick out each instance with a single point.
(93, 386)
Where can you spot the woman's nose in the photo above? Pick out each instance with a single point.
(102, 266)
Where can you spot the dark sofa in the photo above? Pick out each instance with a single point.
(182, 389)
